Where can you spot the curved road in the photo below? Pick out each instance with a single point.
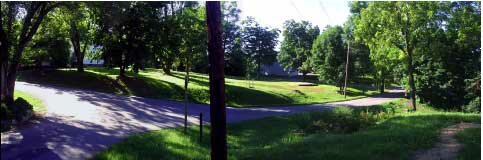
(80, 123)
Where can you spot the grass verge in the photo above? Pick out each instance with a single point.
(471, 139)
(379, 132)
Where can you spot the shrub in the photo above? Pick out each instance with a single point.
(22, 109)
(345, 119)
(22, 105)
(474, 106)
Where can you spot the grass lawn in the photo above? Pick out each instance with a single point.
(471, 138)
(153, 83)
(379, 132)
(37, 104)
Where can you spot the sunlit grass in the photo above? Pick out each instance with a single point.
(153, 83)
(394, 137)
(38, 105)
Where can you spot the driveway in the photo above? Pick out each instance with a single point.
(80, 123)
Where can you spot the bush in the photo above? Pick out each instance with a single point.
(22, 105)
(474, 106)
(345, 119)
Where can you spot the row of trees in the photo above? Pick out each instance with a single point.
(306, 50)
(128, 35)
(436, 55)
(432, 48)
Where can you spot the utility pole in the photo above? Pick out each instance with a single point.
(217, 81)
(346, 69)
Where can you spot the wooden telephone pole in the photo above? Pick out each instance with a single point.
(217, 82)
(346, 69)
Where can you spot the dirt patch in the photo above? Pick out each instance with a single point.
(448, 146)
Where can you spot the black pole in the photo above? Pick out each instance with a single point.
(201, 127)
(217, 82)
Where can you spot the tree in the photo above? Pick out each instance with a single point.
(235, 59)
(78, 16)
(450, 66)
(9, 39)
(122, 33)
(50, 43)
(217, 81)
(259, 43)
(329, 56)
(295, 48)
(192, 26)
(397, 25)
(359, 52)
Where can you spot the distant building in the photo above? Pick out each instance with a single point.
(92, 62)
(277, 70)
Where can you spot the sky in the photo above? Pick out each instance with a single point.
(273, 13)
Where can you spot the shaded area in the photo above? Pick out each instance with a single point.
(279, 138)
(74, 116)
(471, 140)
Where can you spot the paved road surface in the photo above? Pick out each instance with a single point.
(80, 123)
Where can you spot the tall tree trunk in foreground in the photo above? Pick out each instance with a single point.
(217, 82)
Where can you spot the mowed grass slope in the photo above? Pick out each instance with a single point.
(153, 83)
(379, 132)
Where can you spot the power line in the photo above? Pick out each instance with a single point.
(296, 9)
(324, 11)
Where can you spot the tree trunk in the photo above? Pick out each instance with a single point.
(12, 74)
(167, 68)
(4, 49)
(75, 40)
(412, 86)
(122, 67)
(304, 76)
(186, 81)
(259, 67)
(217, 81)
(381, 85)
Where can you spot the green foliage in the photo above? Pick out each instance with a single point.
(345, 119)
(51, 45)
(443, 46)
(295, 48)
(259, 44)
(329, 56)
(235, 59)
(395, 137)
(449, 63)
(474, 106)
(471, 139)
(22, 105)
(18, 108)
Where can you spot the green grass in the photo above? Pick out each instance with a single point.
(36, 103)
(471, 138)
(153, 83)
(392, 133)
